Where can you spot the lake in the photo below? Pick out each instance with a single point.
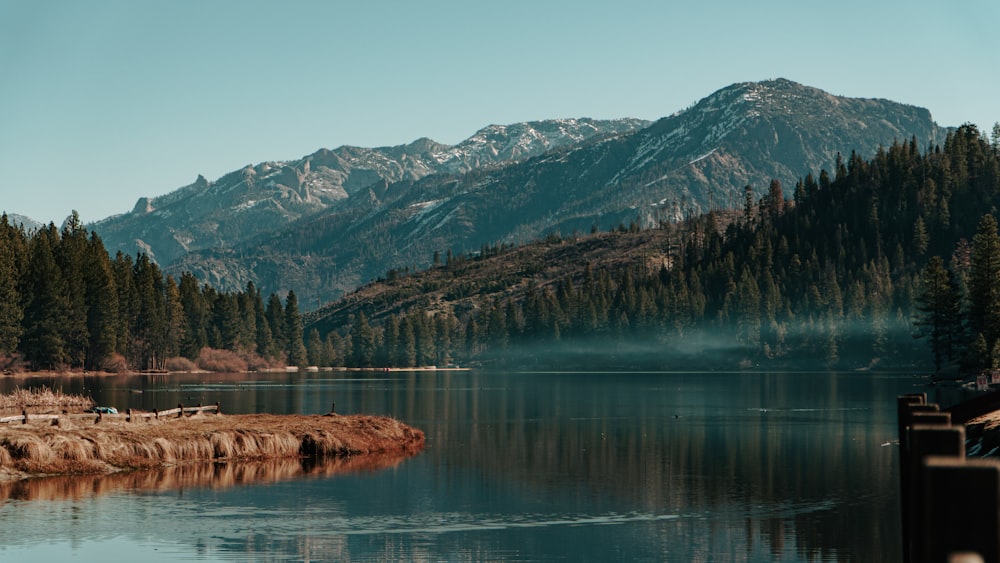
(546, 466)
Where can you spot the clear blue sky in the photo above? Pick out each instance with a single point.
(104, 101)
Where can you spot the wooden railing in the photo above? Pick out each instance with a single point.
(129, 415)
(950, 505)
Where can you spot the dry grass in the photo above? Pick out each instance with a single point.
(210, 359)
(115, 445)
(180, 364)
(42, 397)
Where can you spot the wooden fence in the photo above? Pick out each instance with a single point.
(950, 505)
(127, 416)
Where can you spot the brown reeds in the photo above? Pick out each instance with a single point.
(115, 445)
(42, 397)
(210, 359)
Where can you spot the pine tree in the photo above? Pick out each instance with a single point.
(330, 346)
(363, 342)
(175, 321)
(44, 292)
(390, 342)
(939, 318)
(11, 310)
(101, 303)
(246, 320)
(296, 348)
(984, 286)
(128, 306)
(314, 348)
(748, 310)
(225, 322)
(407, 343)
(70, 256)
(275, 315)
(921, 240)
(775, 199)
(196, 312)
(264, 339)
(425, 339)
(150, 321)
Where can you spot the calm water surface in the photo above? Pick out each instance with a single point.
(518, 467)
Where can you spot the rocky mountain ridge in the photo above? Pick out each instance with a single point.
(354, 214)
(257, 199)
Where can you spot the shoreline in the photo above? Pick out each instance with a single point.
(309, 369)
(71, 446)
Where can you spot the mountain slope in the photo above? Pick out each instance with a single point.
(842, 277)
(696, 159)
(245, 204)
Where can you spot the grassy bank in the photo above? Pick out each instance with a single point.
(42, 397)
(83, 447)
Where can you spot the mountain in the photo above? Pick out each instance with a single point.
(248, 203)
(843, 276)
(28, 223)
(694, 160)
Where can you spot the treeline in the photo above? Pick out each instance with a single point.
(833, 275)
(843, 273)
(66, 304)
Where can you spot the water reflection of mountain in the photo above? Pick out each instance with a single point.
(213, 475)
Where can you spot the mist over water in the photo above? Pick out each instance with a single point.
(523, 466)
(802, 346)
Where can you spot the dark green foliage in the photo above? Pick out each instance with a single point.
(64, 303)
(44, 296)
(101, 304)
(984, 289)
(11, 307)
(71, 253)
(939, 312)
(196, 312)
(835, 277)
(314, 349)
(275, 315)
(296, 348)
(363, 340)
(150, 323)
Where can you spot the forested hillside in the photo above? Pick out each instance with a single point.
(681, 166)
(837, 275)
(844, 273)
(66, 304)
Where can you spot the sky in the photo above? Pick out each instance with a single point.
(103, 102)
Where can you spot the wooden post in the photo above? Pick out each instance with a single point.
(128, 415)
(925, 441)
(962, 509)
(333, 407)
(906, 405)
(218, 408)
(24, 413)
(156, 414)
(180, 410)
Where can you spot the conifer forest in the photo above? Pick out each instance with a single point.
(890, 261)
